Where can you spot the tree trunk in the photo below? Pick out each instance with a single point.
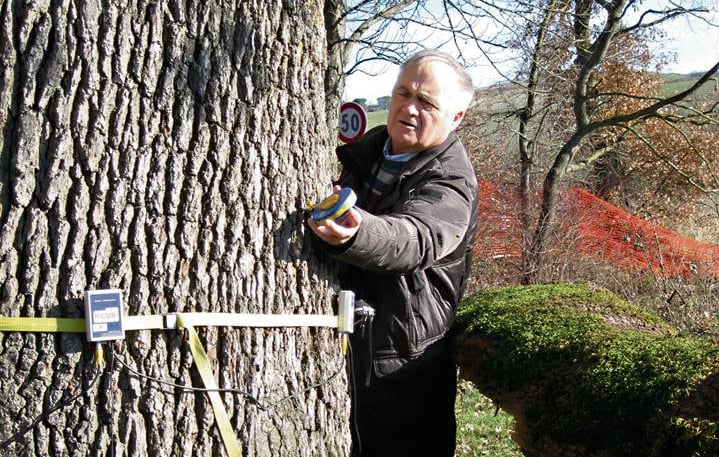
(550, 193)
(335, 12)
(164, 148)
(527, 144)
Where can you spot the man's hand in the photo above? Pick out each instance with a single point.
(335, 234)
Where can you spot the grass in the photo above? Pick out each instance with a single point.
(481, 429)
(675, 83)
(674, 87)
(376, 118)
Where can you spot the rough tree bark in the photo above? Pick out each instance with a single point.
(164, 148)
(335, 12)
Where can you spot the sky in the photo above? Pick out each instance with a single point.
(695, 43)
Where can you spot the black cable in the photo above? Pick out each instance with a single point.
(364, 316)
(307, 389)
(368, 378)
(353, 400)
(46, 414)
(111, 369)
(181, 387)
(254, 400)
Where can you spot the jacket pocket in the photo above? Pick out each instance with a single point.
(428, 313)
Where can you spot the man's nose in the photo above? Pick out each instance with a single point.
(411, 107)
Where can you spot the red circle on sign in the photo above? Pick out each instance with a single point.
(353, 122)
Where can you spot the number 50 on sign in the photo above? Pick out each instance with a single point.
(353, 122)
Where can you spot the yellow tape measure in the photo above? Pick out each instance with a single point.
(336, 206)
(343, 322)
(42, 324)
(208, 379)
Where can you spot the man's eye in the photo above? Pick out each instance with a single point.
(428, 105)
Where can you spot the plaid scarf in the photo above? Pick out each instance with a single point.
(385, 172)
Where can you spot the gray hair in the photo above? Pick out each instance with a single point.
(465, 90)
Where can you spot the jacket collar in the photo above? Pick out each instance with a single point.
(424, 157)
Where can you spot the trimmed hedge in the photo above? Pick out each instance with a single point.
(585, 373)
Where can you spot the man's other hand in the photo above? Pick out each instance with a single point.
(335, 234)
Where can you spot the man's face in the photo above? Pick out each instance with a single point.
(419, 112)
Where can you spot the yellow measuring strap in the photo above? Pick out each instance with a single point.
(260, 320)
(73, 325)
(157, 321)
(42, 324)
(203, 366)
(149, 322)
(186, 321)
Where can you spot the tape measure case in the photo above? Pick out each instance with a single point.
(336, 206)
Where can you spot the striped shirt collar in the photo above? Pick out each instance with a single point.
(387, 151)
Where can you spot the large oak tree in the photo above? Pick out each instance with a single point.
(167, 149)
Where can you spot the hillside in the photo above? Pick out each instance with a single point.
(675, 83)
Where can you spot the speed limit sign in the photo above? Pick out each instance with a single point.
(353, 122)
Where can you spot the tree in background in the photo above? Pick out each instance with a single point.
(564, 105)
(166, 149)
(656, 167)
(383, 102)
(572, 110)
(357, 34)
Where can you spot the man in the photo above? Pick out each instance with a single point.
(405, 251)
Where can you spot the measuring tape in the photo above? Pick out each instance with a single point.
(169, 322)
(343, 322)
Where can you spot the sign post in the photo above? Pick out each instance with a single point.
(353, 122)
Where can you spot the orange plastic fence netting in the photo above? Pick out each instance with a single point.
(602, 231)
(499, 232)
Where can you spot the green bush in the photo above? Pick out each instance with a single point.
(588, 370)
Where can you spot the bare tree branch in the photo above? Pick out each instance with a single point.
(655, 107)
(664, 16)
(667, 161)
(377, 17)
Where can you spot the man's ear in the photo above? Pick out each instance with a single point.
(456, 119)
